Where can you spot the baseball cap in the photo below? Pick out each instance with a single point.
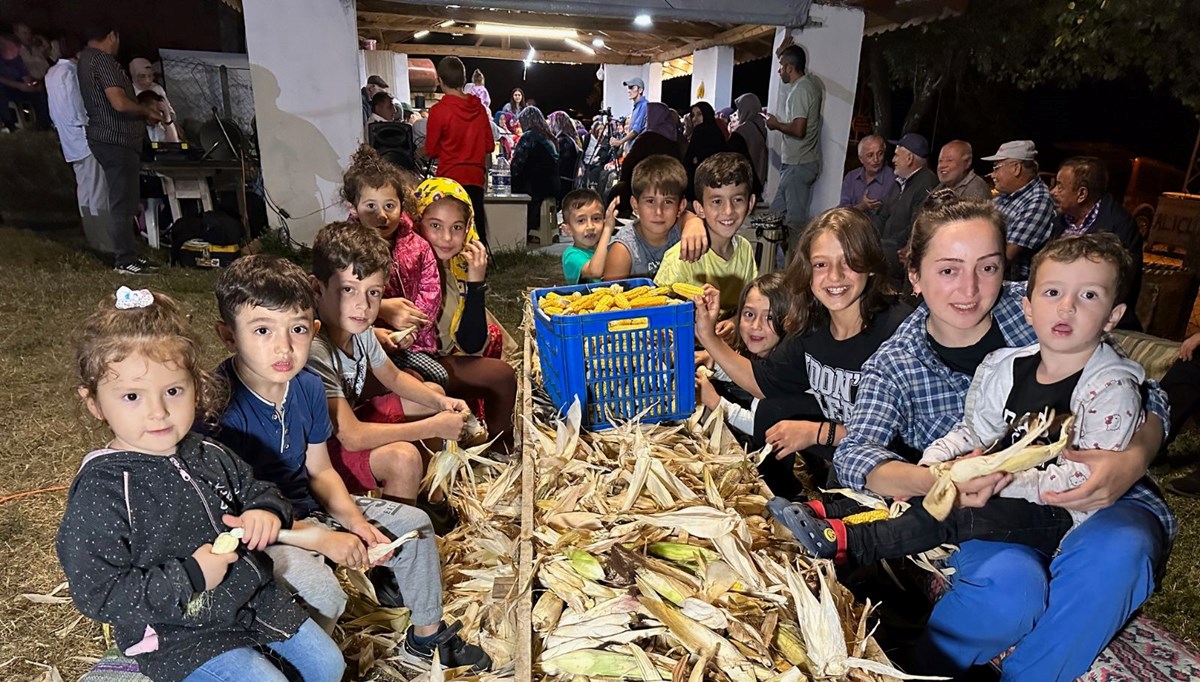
(635, 81)
(913, 142)
(377, 82)
(1019, 150)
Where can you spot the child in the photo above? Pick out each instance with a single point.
(459, 136)
(469, 347)
(277, 420)
(135, 540)
(724, 182)
(381, 195)
(1074, 287)
(590, 227)
(658, 185)
(163, 131)
(760, 315)
(372, 446)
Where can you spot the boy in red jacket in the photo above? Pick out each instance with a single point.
(459, 136)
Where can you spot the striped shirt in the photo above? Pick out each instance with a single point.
(98, 70)
(907, 391)
(1030, 214)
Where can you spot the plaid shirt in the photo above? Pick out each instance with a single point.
(1030, 214)
(907, 391)
(1081, 227)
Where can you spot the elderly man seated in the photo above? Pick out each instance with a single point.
(955, 173)
(1025, 202)
(867, 186)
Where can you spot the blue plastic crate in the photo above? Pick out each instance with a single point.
(620, 363)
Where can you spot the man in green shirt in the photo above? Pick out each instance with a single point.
(798, 118)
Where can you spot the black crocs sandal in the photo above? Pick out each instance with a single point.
(816, 535)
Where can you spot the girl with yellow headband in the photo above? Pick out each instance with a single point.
(464, 337)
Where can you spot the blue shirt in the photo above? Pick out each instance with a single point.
(637, 121)
(855, 185)
(907, 391)
(274, 442)
(1030, 214)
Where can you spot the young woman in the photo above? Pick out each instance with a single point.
(840, 314)
(706, 139)
(1058, 612)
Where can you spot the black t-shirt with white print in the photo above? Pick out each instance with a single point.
(817, 369)
(1028, 395)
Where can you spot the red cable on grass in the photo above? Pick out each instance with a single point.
(28, 493)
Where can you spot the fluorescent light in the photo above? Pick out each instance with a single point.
(420, 34)
(525, 31)
(579, 46)
(643, 20)
(597, 42)
(448, 22)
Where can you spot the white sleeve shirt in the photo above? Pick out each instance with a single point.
(67, 111)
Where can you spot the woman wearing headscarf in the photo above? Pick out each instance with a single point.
(707, 140)
(142, 75)
(535, 164)
(567, 139)
(661, 136)
(750, 137)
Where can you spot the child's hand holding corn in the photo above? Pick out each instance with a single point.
(344, 549)
(447, 424)
(261, 527)
(708, 309)
(213, 566)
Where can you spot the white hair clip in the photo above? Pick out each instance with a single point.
(128, 298)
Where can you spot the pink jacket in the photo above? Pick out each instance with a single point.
(414, 275)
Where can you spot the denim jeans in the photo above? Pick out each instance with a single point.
(1059, 613)
(793, 196)
(310, 653)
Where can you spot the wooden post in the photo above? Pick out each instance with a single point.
(524, 655)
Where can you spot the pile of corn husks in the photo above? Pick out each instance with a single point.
(653, 562)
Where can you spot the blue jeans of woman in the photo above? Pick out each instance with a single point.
(1059, 614)
(310, 653)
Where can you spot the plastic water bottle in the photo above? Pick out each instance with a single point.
(502, 178)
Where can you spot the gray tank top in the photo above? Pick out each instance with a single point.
(644, 258)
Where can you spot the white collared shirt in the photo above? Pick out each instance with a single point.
(67, 111)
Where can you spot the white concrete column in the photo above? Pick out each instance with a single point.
(392, 67)
(616, 95)
(304, 66)
(833, 40)
(712, 68)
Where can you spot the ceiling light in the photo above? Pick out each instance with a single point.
(597, 42)
(525, 31)
(420, 34)
(529, 57)
(643, 20)
(579, 46)
(448, 22)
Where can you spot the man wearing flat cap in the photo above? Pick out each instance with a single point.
(637, 120)
(1025, 202)
(895, 217)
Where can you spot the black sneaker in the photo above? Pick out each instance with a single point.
(1187, 486)
(133, 268)
(453, 652)
(387, 590)
(441, 514)
(150, 265)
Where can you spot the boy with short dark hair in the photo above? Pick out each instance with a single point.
(658, 186)
(1072, 301)
(590, 228)
(723, 182)
(277, 420)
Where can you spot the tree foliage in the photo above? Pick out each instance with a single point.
(1029, 43)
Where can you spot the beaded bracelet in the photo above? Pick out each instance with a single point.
(832, 433)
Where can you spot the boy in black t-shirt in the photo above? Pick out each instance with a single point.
(1072, 301)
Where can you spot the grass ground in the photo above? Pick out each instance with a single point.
(49, 286)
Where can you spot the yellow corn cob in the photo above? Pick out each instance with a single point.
(789, 643)
(605, 303)
(620, 301)
(866, 517)
(637, 291)
(679, 551)
(685, 290)
(648, 301)
(553, 310)
(584, 303)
